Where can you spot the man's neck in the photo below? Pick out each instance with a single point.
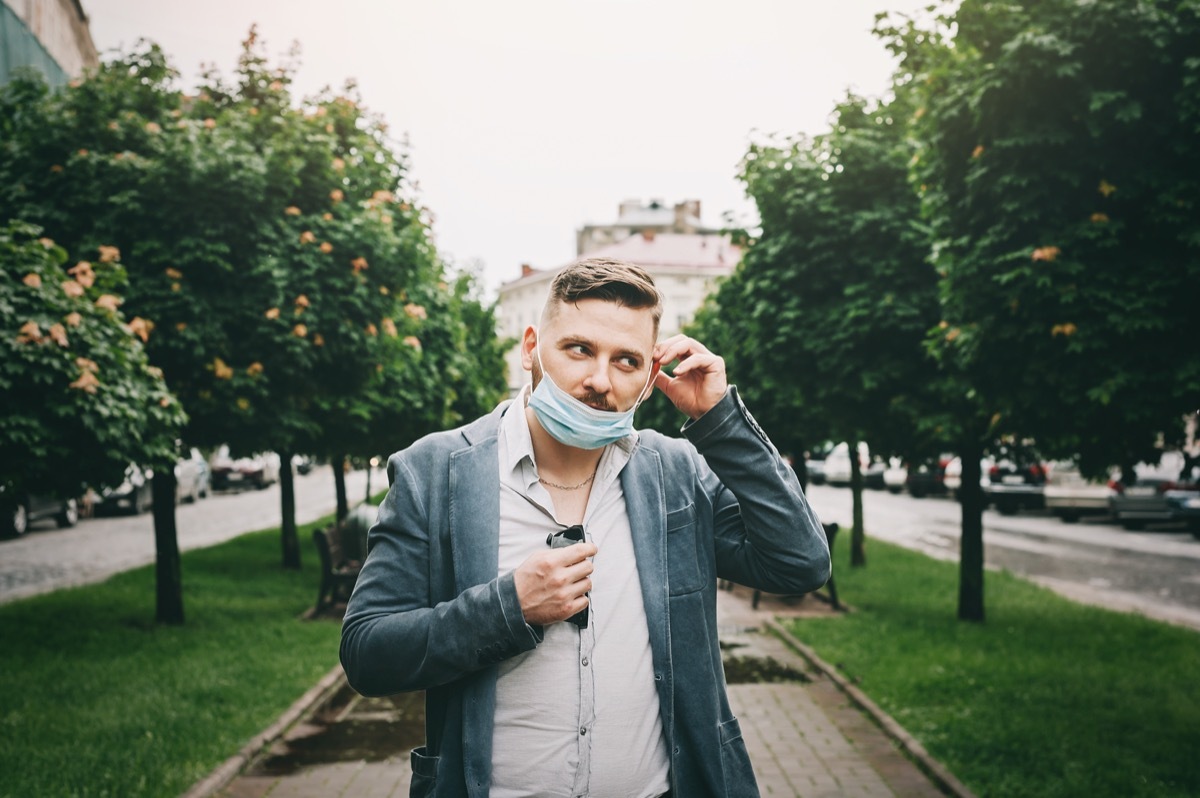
(555, 457)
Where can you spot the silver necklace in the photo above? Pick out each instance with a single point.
(550, 484)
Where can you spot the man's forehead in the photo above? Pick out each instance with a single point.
(605, 323)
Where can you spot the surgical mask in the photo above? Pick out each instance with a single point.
(573, 423)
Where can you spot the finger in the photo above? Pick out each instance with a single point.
(579, 552)
(702, 362)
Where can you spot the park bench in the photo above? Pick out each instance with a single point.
(342, 549)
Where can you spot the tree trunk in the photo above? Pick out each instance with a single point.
(970, 566)
(167, 567)
(287, 492)
(858, 539)
(339, 484)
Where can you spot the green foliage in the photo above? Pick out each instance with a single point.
(1050, 698)
(1058, 173)
(97, 701)
(822, 320)
(81, 400)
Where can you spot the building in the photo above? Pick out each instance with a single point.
(684, 265)
(634, 217)
(49, 35)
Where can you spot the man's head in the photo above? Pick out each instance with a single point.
(606, 279)
(597, 333)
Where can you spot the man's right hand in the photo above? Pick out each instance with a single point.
(552, 585)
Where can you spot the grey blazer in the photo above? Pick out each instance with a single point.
(430, 613)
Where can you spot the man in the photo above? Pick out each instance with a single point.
(588, 669)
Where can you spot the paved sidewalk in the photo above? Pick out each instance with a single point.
(804, 737)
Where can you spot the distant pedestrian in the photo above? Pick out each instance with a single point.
(547, 574)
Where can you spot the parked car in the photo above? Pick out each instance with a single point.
(895, 476)
(1016, 481)
(1185, 506)
(303, 464)
(134, 494)
(192, 480)
(1069, 495)
(928, 477)
(837, 464)
(1161, 492)
(256, 471)
(17, 513)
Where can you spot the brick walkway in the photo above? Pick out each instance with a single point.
(804, 737)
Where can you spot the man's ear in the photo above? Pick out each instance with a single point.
(528, 344)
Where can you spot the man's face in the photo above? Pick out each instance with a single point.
(597, 351)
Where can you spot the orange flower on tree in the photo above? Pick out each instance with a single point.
(48, 243)
(389, 327)
(359, 265)
(210, 123)
(272, 313)
(1067, 329)
(153, 127)
(413, 341)
(176, 287)
(73, 319)
(1106, 188)
(327, 216)
(300, 331)
(221, 369)
(952, 335)
(87, 382)
(977, 152)
(181, 326)
(336, 195)
(326, 247)
(140, 327)
(109, 254)
(292, 210)
(164, 402)
(174, 273)
(1099, 218)
(415, 311)
(86, 364)
(72, 289)
(307, 237)
(29, 333)
(339, 164)
(1046, 254)
(372, 330)
(83, 273)
(276, 85)
(302, 301)
(108, 302)
(383, 289)
(383, 196)
(318, 340)
(56, 168)
(243, 403)
(33, 280)
(254, 369)
(155, 372)
(58, 334)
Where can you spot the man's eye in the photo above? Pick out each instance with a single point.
(578, 349)
(629, 362)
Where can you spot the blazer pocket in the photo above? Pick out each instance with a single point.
(735, 762)
(424, 770)
(683, 565)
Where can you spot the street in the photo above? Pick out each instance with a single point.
(1155, 573)
(48, 558)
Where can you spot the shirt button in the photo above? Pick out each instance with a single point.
(583, 731)
(585, 662)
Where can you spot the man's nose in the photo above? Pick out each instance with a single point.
(597, 379)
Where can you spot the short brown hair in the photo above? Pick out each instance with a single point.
(607, 279)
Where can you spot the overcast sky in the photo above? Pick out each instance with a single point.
(530, 118)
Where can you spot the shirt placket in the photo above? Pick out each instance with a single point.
(587, 710)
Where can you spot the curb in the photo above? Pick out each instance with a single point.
(304, 707)
(936, 771)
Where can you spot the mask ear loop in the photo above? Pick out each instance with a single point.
(648, 388)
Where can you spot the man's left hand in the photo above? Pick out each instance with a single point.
(698, 382)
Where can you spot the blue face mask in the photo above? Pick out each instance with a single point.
(573, 423)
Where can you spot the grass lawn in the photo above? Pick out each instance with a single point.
(96, 700)
(1046, 698)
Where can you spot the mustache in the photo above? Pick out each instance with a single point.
(597, 400)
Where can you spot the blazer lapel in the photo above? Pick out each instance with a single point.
(642, 482)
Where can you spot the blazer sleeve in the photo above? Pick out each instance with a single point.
(766, 535)
(397, 635)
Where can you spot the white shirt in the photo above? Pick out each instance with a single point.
(579, 714)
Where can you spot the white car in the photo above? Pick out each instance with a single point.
(837, 463)
(1069, 495)
(895, 476)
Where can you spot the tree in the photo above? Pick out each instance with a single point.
(1057, 171)
(829, 307)
(81, 400)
